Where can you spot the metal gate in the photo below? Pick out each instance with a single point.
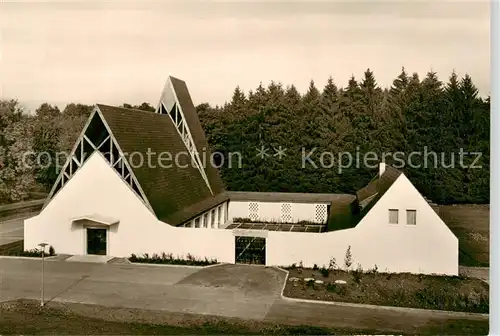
(250, 250)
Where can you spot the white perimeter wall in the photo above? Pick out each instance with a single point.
(427, 247)
(97, 189)
(271, 211)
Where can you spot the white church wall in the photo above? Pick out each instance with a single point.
(274, 211)
(427, 247)
(138, 231)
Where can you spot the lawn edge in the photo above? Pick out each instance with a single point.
(450, 313)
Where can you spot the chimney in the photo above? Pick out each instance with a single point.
(381, 168)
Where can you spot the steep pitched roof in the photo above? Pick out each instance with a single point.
(196, 129)
(383, 183)
(170, 189)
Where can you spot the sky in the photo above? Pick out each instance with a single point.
(113, 52)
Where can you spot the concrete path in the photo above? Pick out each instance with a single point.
(248, 292)
(89, 258)
(133, 286)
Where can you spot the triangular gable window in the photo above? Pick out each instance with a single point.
(96, 131)
(173, 112)
(87, 149)
(135, 188)
(96, 137)
(162, 109)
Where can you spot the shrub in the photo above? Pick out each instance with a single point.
(242, 220)
(293, 266)
(27, 253)
(301, 266)
(306, 222)
(310, 283)
(333, 264)
(374, 270)
(357, 274)
(165, 258)
(52, 252)
(315, 267)
(337, 289)
(348, 258)
(325, 272)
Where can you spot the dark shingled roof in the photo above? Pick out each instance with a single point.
(174, 193)
(285, 197)
(194, 124)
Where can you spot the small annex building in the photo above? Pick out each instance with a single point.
(135, 182)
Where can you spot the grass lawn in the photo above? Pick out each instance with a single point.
(471, 224)
(386, 289)
(26, 317)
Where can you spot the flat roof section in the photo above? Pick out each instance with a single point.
(286, 197)
(288, 227)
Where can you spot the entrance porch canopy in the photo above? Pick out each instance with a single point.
(95, 219)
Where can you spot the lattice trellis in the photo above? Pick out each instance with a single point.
(253, 211)
(321, 213)
(286, 213)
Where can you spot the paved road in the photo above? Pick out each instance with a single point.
(133, 286)
(249, 292)
(12, 229)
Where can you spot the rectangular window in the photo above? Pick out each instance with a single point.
(393, 216)
(205, 220)
(212, 217)
(219, 213)
(197, 222)
(411, 217)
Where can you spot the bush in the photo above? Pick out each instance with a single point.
(324, 272)
(374, 270)
(35, 253)
(310, 283)
(165, 258)
(242, 220)
(333, 264)
(52, 252)
(357, 274)
(337, 289)
(315, 267)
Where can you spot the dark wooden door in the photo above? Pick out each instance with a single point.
(96, 241)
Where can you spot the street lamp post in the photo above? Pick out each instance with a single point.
(42, 245)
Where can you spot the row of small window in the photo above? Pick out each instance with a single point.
(205, 222)
(411, 217)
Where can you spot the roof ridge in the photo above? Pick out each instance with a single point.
(129, 109)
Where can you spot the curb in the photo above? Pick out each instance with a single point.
(28, 258)
(177, 266)
(369, 306)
